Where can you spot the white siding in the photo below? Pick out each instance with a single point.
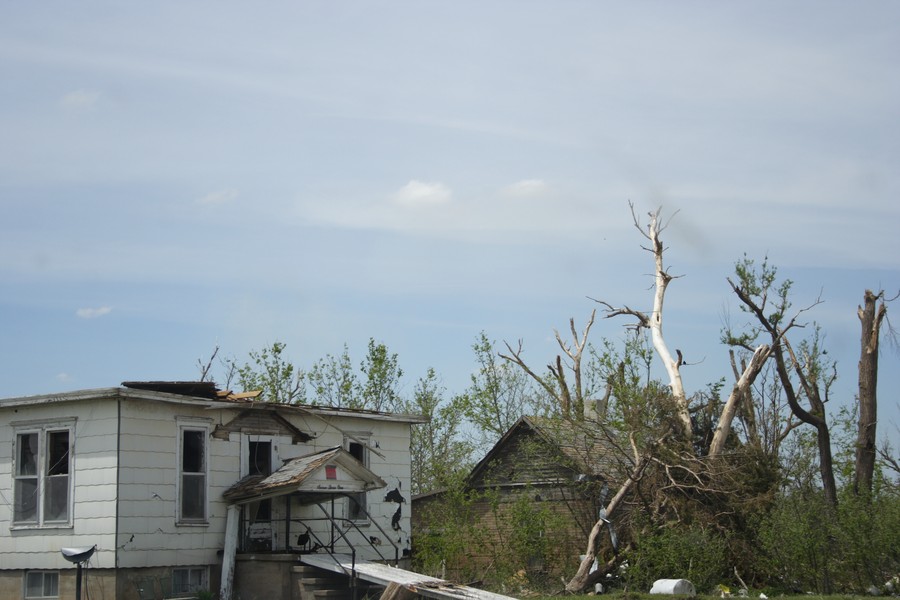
(148, 489)
(391, 440)
(94, 499)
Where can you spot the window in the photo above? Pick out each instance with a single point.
(259, 458)
(189, 580)
(41, 584)
(259, 462)
(192, 475)
(357, 508)
(43, 463)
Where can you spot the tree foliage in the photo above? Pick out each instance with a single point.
(439, 455)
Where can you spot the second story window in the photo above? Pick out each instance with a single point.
(192, 475)
(43, 465)
(357, 505)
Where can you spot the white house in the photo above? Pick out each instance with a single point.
(150, 472)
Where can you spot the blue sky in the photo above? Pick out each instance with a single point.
(176, 176)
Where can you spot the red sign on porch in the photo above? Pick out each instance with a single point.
(330, 472)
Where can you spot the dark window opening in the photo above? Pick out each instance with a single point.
(259, 458)
(357, 509)
(193, 475)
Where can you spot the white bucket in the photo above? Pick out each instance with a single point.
(673, 586)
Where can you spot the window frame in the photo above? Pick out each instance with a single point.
(43, 480)
(201, 427)
(360, 439)
(44, 574)
(204, 579)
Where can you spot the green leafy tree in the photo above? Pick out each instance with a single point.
(381, 378)
(499, 394)
(333, 381)
(270, 371)
(438, 455)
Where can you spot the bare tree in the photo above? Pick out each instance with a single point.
(571, 400)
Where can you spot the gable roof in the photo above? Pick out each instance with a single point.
(266, 422)
(317, 476)
(578, 446)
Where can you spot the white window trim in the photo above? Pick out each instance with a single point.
(42, 428)
(192, 424)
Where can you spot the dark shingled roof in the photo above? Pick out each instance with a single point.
(195, 389)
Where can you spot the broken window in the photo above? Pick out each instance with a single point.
(56, 496)
(42, 487)
(259, 462)
(26, 493)
(259, 458)
(357, 508)
(193, 475)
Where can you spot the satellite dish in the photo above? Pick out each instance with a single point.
(78, 555)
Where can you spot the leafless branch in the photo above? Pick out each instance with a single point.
(206, 368)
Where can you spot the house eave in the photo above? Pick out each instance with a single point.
(111, 393)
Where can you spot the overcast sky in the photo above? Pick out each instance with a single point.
(180, 175)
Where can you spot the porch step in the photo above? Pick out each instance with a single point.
(313, 583)
(331, 594)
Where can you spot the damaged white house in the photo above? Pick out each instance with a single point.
(172, 480)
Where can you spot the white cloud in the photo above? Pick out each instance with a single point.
(80, 99)
(219, 196)
(63, 377)
(93, 313)
(527, 188)
(420, 193)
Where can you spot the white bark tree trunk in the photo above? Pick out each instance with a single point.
(655, 323)
(737, 393)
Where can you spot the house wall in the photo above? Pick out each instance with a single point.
(97, 584)
(390, 439)
(93, 478)
(149, 534)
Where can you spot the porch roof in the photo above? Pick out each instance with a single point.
(314, 477)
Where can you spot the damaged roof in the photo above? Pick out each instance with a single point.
(324, 474)
(203, 393)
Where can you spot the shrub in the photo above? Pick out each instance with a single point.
(693, 553)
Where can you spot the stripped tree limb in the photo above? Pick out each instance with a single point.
(571, 406)
(582, 577)
(738, 393)
(654, 321)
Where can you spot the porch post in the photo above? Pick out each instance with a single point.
(231, 538)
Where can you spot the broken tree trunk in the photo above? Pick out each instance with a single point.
(870, 317)
(582, 577)
(738, 392)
